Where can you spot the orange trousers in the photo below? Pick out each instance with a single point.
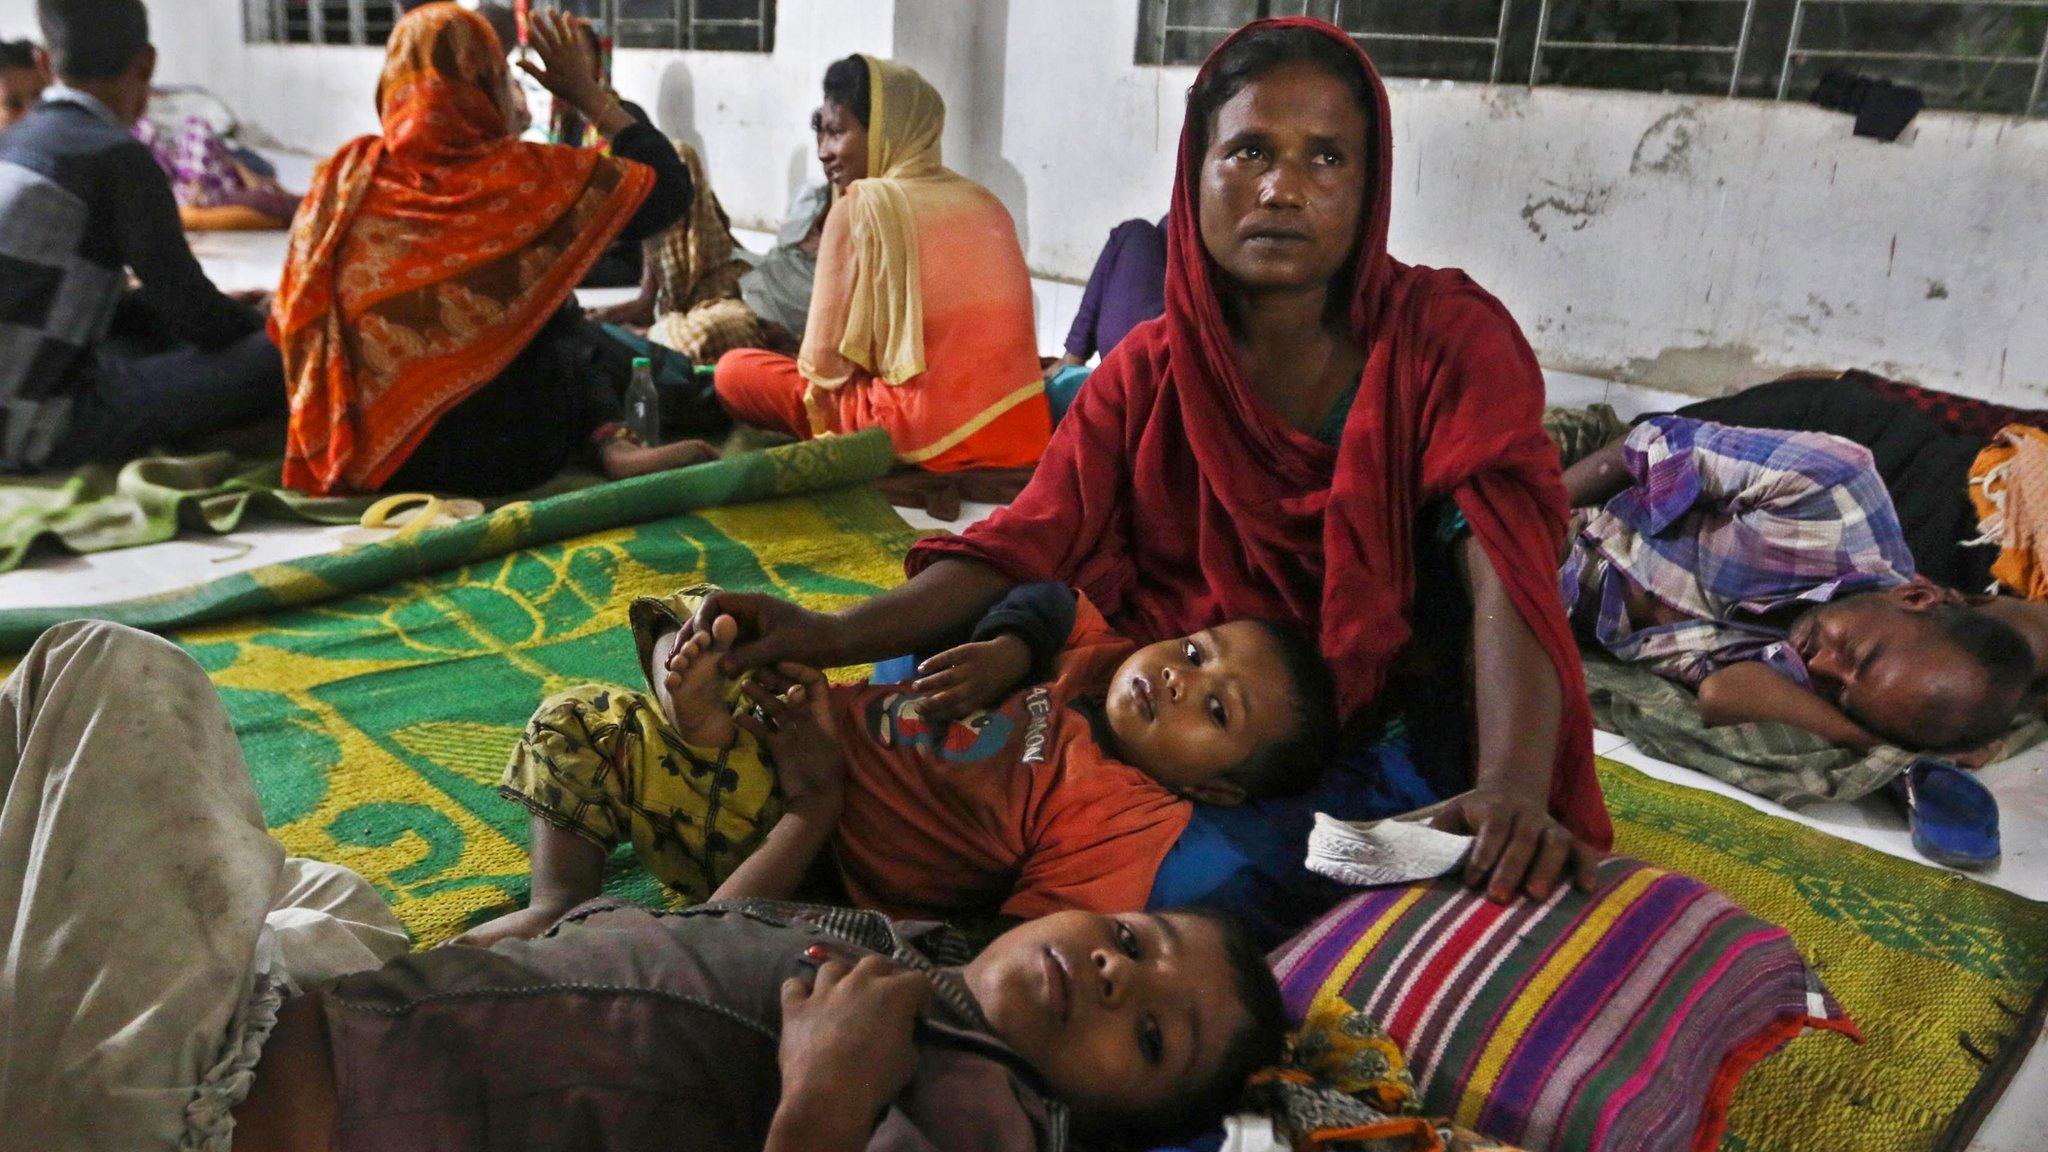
(765, 389)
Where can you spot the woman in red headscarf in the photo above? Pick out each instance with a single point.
(1273, 446)
(429, 336)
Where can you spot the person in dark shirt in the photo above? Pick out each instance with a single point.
(1127, 288)
(90, 368)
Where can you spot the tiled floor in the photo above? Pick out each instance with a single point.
(253, 260)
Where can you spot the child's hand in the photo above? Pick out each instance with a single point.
(971, 677)
(788, 711)
(847, 1049)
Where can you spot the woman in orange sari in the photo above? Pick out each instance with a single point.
(921, 320)
(429, 333)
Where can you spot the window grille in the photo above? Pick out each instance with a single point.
(356, 22)
(691, 25)
(699, 25)
(1971, 55)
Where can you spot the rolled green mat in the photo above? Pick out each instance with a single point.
(808, 466)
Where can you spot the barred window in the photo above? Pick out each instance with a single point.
(697, 25)
(1968, 55)
(692, 25)
(358, 22)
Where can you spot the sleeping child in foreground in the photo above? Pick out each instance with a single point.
(1048, 764)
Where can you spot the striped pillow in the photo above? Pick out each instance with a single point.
(1619, 1019)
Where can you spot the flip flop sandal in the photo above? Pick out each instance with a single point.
(407, 514)
(1953, 816)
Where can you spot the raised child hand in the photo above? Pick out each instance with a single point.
(847, 1048)
(963, 680)
(788, 710)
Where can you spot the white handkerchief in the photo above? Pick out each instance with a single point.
(1376, 853)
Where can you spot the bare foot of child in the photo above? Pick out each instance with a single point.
(696, 688)
(627, 457)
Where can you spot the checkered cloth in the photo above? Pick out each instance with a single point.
(1730, 526)
(709, 330)
(55, 303)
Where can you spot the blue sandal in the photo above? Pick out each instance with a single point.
(1954, 818)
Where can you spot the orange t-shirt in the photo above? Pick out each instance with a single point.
(1018, 805)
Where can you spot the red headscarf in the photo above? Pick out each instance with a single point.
(1176, 499)
(425, 259)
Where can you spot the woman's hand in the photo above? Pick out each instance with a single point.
(847, 1051)
(772, 631)
(790, 714)
(1517, 846)
(1067, 360)
(566, 68)
(635, 315)
(971, 677)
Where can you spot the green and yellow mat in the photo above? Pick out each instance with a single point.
(377, 723)
(1944, 975)
(802, 467)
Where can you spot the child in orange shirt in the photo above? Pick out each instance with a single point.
(1051, 764)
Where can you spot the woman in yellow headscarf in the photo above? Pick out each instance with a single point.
(921, 320)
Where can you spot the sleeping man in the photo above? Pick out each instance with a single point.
(1767, 571)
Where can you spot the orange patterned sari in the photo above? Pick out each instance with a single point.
(426, 259)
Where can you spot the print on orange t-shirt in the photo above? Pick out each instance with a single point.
(1018, 806)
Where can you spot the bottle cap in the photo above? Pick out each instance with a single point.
(642, 362)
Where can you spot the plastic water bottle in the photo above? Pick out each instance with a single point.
(643, 404)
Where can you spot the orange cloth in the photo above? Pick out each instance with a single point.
(765, 389)
(1017, 805)
(2009, 486)
(426, 259)
(921, 317)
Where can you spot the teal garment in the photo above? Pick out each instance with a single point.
(1331, 430)
(1451, 523)
(1063, 387)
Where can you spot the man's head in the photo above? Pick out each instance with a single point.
(24, 73)
(102, 47)
(1916, 666)
(1145, 1025)
(1244, 710)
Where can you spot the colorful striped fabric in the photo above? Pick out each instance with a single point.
(1619, 1019)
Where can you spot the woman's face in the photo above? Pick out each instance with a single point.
(842, 145)
(1284, 181)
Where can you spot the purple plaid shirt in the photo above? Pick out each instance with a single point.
(1737, 529)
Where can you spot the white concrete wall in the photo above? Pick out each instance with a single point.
(18, 20)
(1688, 244)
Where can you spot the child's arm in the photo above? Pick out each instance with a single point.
(790, 717)
(567, 870)
(1016, 643)
(1755, 693)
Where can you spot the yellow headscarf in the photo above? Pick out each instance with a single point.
(884, 330)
